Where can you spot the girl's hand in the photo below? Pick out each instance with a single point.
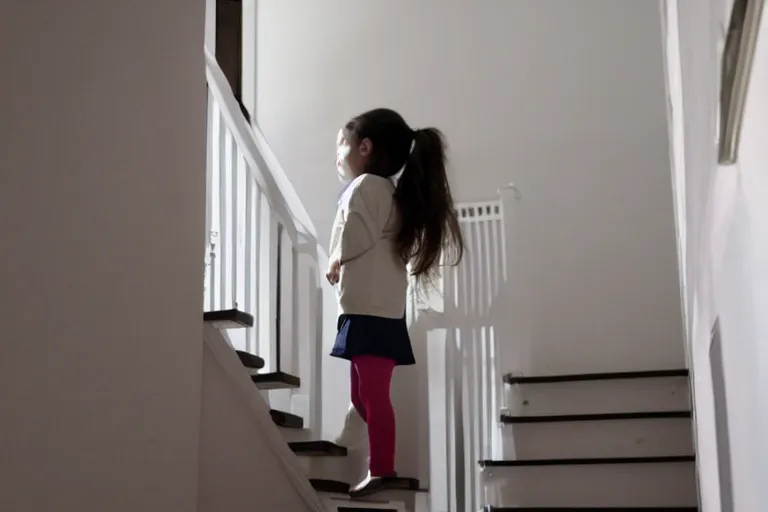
(333, 273)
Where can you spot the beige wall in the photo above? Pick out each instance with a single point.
(102, 178)
(725, 249)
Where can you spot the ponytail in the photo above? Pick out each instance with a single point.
(429, 226)
(429, 223)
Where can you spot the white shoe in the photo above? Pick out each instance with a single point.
(373, 484)
(355, 431)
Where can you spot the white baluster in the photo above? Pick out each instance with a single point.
(451, 445)
(276, 295)
(493, 276)
(258, 206)
(236, 163)
(315, 313)
(250, 256)
(491, 286)
(295, 341)
(212, 111)
(224, 148)
(267, 277)
(488, 415)
(285, 298)
(304, 292)
(215, 198)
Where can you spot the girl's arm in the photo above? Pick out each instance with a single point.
(369, 207)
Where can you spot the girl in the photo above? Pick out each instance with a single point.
(396, 211)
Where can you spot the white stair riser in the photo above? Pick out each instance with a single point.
(297, 435)
(631, 395)
(343, 469)
(350, 469)
(335, 504)
(279, 399)
(614, 438)
(600, 485)
(327, 468)
(401, 501)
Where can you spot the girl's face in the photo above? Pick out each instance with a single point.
(351, 157)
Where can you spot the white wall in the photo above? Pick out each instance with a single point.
(245, 463)
(564, 98)
(725, 248)
(102, 177)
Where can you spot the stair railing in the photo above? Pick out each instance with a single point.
(262, 256)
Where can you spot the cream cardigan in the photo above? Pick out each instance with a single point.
(373, 278)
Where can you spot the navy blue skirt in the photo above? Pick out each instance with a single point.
(364, 335)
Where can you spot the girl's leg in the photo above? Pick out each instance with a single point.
(354, 432)
(354, 391)
(374, 377)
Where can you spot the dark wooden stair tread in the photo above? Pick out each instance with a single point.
(329, 486)
(590, 509)
(276, 380)
(337, 487)
(250, 360)
(318, 449)
(228, 319)
(286, 419)
(544, 379)
(585, 461)
(342, 508)
(403, 484)
(510, 419)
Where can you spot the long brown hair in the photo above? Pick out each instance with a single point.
(429, 225)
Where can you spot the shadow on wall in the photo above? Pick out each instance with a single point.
(448, 402)
(458, 328)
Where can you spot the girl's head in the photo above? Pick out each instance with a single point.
(380, 142)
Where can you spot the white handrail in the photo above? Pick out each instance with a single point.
(263, 254)
(266, 170)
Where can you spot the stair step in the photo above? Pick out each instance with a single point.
(318, 449)
(590, 509)
(585, 461)
(551, 418)
(250, 360)
(341, 508)
(595, 436)
(610, 483)
(276, 380)
(384, 508)
(286, 419)
(542, 379)
(388, 485)
(329, 486)
(338, 487)
(228, 319)
(598, 397)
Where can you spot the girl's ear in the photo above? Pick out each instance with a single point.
(366, 147)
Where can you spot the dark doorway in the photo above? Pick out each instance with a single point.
(229, 44)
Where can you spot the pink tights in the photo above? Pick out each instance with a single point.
(370, 378)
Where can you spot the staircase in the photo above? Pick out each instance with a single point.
(619, 441)
(264, 293)
(324, 463)
(607, 441)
